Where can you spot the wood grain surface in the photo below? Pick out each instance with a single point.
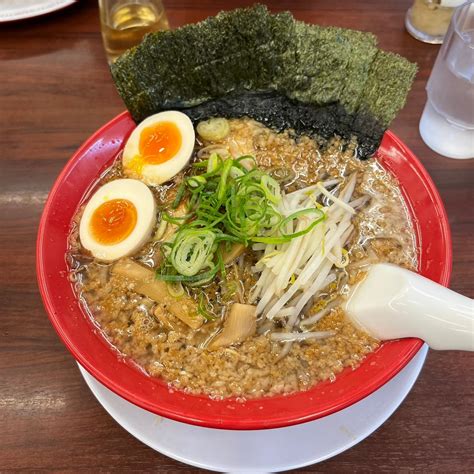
(56, 90)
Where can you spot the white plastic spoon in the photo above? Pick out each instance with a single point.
(392, 303)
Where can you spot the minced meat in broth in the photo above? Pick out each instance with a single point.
(165, 347)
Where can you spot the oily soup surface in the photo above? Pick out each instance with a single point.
(165, 347)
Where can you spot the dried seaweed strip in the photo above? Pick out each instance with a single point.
(234, 50)
(215, 38)
(362, 52)
(124, 76)
(250, 71)
(279, 112)
(141, 105)
(241, 30)
(322, 56)
(354, 88)
(211, 39)
(387, 86)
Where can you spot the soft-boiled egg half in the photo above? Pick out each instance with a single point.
(159, 148)
(118, 219)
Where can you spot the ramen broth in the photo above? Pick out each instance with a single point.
(265, 363)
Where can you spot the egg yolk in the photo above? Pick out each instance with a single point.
(113, 221)
(159, 142)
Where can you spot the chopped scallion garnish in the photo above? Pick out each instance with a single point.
(227, 203)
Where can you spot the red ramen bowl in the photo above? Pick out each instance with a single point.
(95, 354)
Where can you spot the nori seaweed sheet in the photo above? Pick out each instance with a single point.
(318, 72)
(327, 64)
(338, 73)
(279, 112)
(237, 49)
(389, 74)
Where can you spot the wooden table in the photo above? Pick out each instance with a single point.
(55, 90)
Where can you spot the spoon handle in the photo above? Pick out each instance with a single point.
(393, 303)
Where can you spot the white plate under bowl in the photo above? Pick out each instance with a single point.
(261, 450)
(13, 10)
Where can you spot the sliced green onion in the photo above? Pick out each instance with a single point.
(220, 262)
(172, 219)
(191, 250)
(194, 280)
(246, 157)
(175, 289)
(160, 231)
(196, 181)
(312, 210)
(227, 203)
(214, 129)
(221, 189)
(179, 195)
(213, 163)
(271, 188)
(236, 172)
(202, 309)
(271, 240)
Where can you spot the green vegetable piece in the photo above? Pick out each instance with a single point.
(214, 129)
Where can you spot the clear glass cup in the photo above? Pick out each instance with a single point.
(125, 22)
(428, 20)
(447, 123)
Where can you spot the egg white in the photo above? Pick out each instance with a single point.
(154, 174)
(141, 197)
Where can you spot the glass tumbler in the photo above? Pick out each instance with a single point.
(447, 123)
(428, 20)
(125, 22)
